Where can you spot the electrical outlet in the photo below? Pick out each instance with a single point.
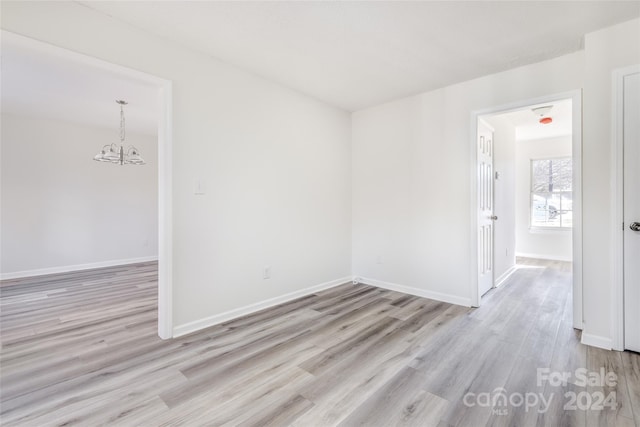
(379, 259)
(145, 243)
(266, 272)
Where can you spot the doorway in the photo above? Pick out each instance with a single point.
(535, 182)
(75, 61)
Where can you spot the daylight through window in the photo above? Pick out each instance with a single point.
(551, 193)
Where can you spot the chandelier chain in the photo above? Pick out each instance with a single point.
(122, 131)
(112, 153)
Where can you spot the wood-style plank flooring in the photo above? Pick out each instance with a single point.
(81, 349)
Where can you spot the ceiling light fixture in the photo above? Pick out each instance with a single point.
(113, 153)
(542, 112)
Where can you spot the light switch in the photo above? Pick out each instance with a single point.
(199, 187)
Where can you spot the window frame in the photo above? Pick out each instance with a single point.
(544, 228)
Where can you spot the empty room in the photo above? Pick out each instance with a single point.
(319, 213)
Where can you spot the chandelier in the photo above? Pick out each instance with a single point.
(113, 153)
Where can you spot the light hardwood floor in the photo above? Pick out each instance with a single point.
(81, 349)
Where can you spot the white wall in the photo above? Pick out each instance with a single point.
(275, 165)
(545, 244)
(504, 160)
(413, 153)
(411, 177)
(605, 50)
(61, 209)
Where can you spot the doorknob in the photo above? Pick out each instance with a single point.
(493, 217)
(635, 226)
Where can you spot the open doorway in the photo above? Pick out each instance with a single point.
(527, 162)
(62, 111)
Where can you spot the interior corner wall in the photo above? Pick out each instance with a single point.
(605, 50)
(275, 166)
(412, 175)
(544, 244)
(504, 164)
(61, 210)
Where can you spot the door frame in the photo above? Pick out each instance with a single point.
(617, 208)
(165, 231)
(576, 148)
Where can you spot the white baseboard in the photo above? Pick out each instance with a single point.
(438, 296)
(197, 325)
(77, 267)
(503, 278)
(545, 256)
(597, 341)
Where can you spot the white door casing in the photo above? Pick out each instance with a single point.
(576, 148)
(631, 209)
(165, 230)
(485, 207)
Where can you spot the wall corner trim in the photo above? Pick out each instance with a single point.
(597, 341)
(77, 267)
(438, 296)
(206, 322)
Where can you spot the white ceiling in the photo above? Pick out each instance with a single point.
(528, 126)
(38, 83)
(358, 54)
(349, 54)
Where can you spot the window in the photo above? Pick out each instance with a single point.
(551, 193)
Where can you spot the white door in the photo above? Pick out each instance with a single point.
(631, 234)
(485, 207)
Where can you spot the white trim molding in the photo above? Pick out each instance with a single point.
(473, 218)
(165, 241)
(438, 296)
(216, 319)
(576, 147)
(165, 210)
(77, 267)
(544, 256)
(596, 341)
(504, 276)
